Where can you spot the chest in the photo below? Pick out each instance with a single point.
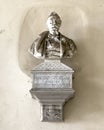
(52, 48)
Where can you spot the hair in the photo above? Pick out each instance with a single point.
(54, 14)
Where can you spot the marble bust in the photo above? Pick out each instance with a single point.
(52, 44)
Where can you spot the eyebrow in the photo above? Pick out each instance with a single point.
(58, 20)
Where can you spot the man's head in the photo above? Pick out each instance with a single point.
(54, 23)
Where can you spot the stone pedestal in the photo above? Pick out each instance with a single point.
(52, 87)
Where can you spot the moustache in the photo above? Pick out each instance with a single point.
(55, 26)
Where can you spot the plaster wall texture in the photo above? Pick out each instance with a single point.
(20, 22)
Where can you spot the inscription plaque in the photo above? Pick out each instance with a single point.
(52, 79)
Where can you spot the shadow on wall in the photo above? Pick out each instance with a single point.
(88, 83)
(86, 62)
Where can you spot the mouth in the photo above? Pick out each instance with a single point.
(54, 28)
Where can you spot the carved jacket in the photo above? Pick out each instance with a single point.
(38, 48)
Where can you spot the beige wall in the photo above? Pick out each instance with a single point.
(83, 21)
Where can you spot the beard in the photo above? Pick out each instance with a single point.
(54, 31)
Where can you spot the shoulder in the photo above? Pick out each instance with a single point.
(44, 33)
(66, 39)
(41, 36)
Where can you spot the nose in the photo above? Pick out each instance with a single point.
(54, 21)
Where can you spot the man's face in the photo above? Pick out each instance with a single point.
(53, 24)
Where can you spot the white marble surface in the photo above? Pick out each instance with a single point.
(53, 65)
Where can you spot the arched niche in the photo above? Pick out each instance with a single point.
(73, 26)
